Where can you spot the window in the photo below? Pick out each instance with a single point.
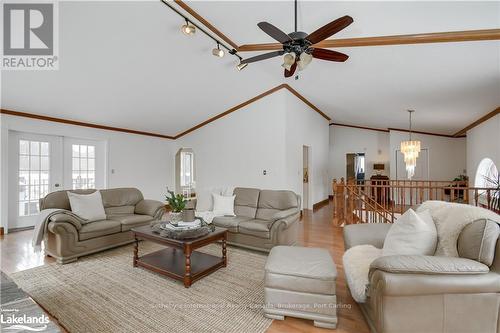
(486, 173)
(83, 166)
(185, 171)
(34, 167)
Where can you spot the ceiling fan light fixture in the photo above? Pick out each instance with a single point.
(188, 29)
(288, 60)
(241, 66)
(218, 52)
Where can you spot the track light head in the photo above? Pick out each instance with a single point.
(241, 66)
(218, 52)
(188, 29)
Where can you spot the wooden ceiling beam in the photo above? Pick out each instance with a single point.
(433, 37)
(477, 122)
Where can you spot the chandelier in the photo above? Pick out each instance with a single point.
(410, 150)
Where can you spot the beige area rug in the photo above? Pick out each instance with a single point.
(104, 293)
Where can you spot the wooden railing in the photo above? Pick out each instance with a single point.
(382, 201)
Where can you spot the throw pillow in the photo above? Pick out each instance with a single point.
(223, 205)
(411, 234)
(87, 206)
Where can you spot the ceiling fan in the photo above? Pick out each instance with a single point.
(298, 46)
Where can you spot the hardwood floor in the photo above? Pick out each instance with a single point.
(318, 230)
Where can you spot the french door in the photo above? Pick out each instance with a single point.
(40, 164)
(35, 169)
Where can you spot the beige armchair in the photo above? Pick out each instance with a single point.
(433, 294)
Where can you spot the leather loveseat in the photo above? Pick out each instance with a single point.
(264, 218)
(433, 294)
(67, 238)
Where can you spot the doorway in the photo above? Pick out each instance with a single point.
(39, 164)
(355, 167)
(305, 178)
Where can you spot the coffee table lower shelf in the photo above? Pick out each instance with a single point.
(172, 263)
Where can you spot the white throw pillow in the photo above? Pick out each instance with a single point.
(223, 205)
(87, 206)
(411, 234)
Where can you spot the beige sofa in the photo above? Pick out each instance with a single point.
(67, 238)
(430, 293)
(264, 218)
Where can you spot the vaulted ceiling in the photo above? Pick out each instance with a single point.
(126, 64)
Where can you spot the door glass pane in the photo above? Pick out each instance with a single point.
(24, 162)
(24, 147)
(34, 148)
(33, 183)
(83, 166)
(44, 163)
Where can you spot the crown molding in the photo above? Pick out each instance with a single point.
(189, 130)
(250, 101)
(81, 123)
(481, 120)
(387, 130)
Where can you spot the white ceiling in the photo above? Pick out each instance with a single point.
(126, 64)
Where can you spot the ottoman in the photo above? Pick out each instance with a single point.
(300, 282)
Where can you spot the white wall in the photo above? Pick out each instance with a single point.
(447, 156)
(265, 135)
(138, 161)
(483, 141)
(305, 127)
(343, 140)
(235, 150)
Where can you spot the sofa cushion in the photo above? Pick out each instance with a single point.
(411, 234)
(302, 269)
(121, 197)
(271, 201)
(245, 203)
(478, 240)
(87, 206)
(120, 210)
(99, 228)
(231, 223)
(59, 199)
(255, 227)
(130, 221)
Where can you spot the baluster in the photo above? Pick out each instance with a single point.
(476, 197)
(488, 197)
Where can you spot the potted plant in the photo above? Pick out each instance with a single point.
(177, 203)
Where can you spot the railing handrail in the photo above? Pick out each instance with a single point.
(379, 199)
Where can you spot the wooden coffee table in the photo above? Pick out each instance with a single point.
(179, 260)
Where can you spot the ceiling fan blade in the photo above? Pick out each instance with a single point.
(290, 72)
(274, 32)
(330, 55)
(330, 29)
(262, 57)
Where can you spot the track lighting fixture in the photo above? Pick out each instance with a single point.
(188, 28)
(288, 61)
(240, 66)
(218, 52)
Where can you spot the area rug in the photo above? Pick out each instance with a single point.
(104, 293)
